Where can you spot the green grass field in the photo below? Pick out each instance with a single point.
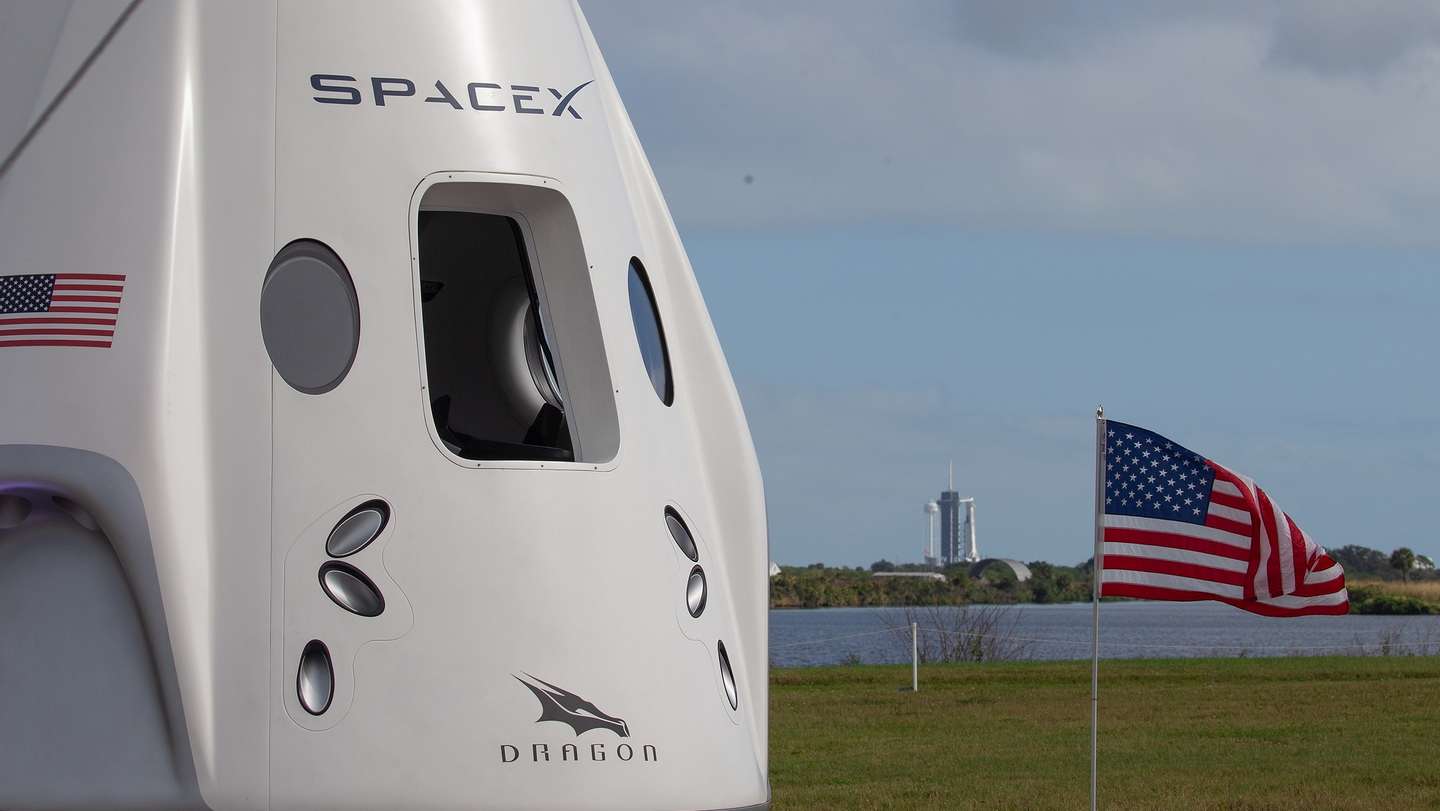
(1291, 733)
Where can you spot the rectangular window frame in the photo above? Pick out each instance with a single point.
(538, 278)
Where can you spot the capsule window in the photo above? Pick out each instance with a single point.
(515, 365)
(646, 315)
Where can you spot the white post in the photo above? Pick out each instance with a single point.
(1095, 601)
(914, 657)
(930, 518)
(972, 549)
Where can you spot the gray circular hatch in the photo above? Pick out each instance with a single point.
(310, 317)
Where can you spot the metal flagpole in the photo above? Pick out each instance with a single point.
(1095, 598)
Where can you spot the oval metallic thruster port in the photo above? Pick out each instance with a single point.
(13, 510)
(357, 529)
(315, 681)
(727, 677)
(681, 534)
(695, 592)
(351, 589)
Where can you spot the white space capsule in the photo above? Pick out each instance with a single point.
(364, 440)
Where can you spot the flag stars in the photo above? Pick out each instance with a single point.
(1145, 474)
(25, 294)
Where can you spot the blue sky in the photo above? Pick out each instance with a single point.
(967, 225)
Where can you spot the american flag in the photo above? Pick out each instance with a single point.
(1179, 526)
(59, 309)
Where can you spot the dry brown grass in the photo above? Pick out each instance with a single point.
(1427, 590)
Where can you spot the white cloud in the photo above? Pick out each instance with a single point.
(1298, 122)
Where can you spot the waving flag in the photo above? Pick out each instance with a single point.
(1178, 526)
(60, 309)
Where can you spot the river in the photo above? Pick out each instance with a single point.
(826, 636)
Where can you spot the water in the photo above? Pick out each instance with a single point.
(827, 636)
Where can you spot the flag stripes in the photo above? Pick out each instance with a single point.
(1187, 528)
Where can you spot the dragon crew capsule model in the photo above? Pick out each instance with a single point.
(364, 440)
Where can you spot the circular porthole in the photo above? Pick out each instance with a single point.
(646, 315)
(695, 592)
(310, 317)
(727, 677)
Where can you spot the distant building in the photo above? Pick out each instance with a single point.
(972, 549)
(957, 533)
(950, 551)
(931, 557)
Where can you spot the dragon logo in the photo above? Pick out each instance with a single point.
(557, 704)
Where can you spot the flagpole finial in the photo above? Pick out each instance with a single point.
(1100, 412)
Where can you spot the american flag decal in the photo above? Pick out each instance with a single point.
(60, 309)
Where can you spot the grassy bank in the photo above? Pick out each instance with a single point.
(1291, 733)
(1394, 597)
(1427, 590)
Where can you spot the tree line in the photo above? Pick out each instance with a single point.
(821, 586)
